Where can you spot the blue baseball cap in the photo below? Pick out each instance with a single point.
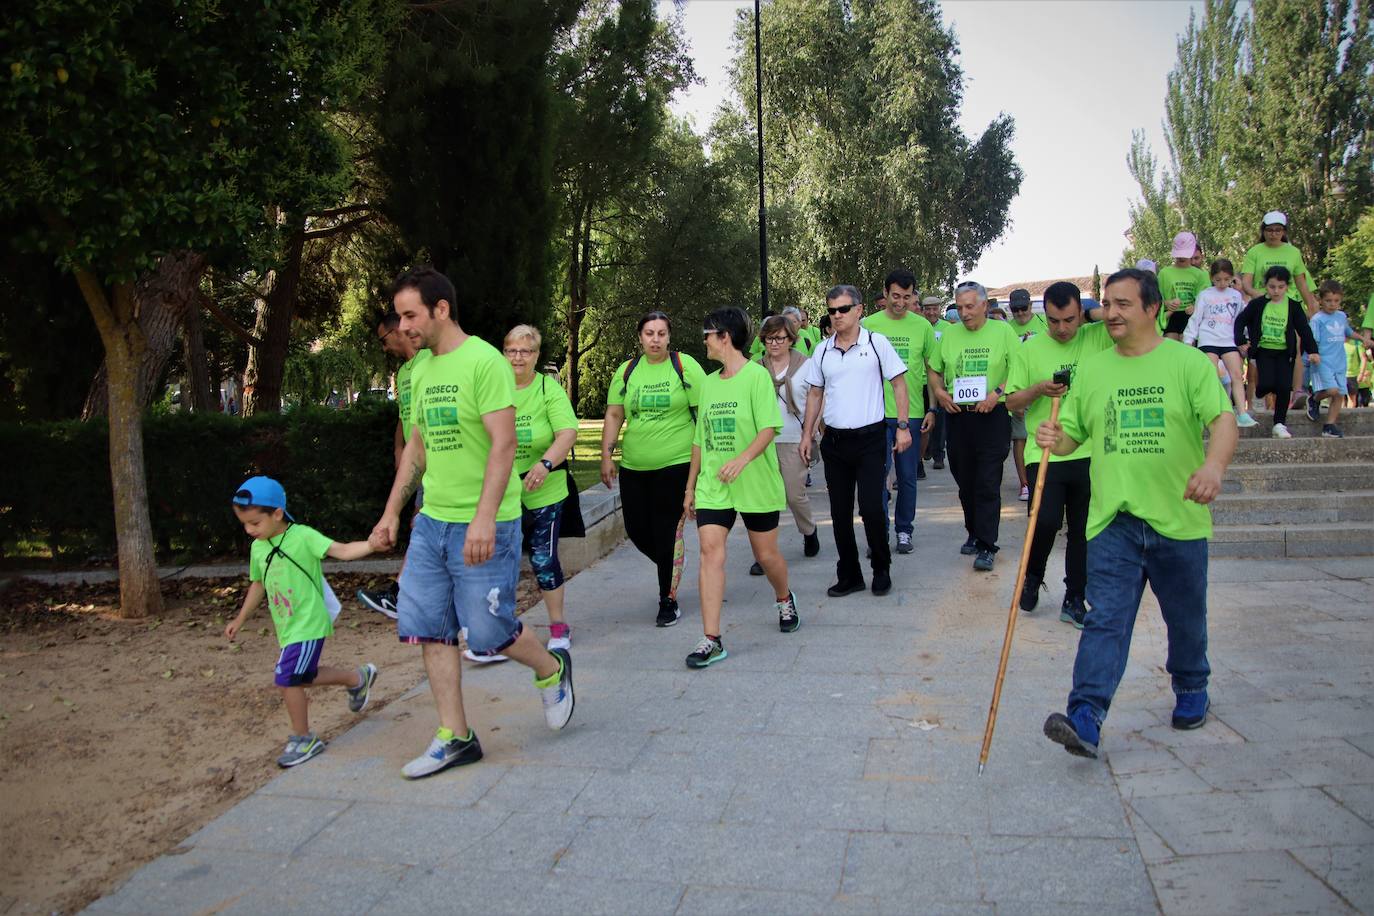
(262, 491)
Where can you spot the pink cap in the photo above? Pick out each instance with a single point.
(1185, 245)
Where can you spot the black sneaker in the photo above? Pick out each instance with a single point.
(983, 562)
(1314, 410)
(1030, 593)
(920, 470)
(811, 544)
(382, 600)
(707, 653)
(938, 464)
(756, 569)
(668, 612)
(1074, 610)
(1331, 431)
(904, 544)
(845, 587)
(882, 582)
(788, 618)
(970, 547)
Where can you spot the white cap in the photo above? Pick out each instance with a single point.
(1275, 218)
(1147, 264)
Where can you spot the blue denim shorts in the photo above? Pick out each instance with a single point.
(441, 595)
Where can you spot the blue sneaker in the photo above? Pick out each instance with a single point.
(1313, 409)
(1190, 710)
(1078, 733)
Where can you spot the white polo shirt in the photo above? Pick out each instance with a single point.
(853, 378)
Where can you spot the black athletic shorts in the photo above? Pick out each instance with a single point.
(758, 522)
(1275, 371)
(1178, 322)
(1218, 351)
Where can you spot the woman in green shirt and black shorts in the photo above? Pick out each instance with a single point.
(656, 392)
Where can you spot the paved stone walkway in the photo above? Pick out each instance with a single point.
(835, 769)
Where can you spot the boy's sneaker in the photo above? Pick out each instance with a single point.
(358, 696)
(707, 653)
(983, 562)
(1190, 710)
(558, 695)
(788, 619)
(1281, 432)
(560, 636)
(1331, 431)
(970, 547)
(668, 612)
(1245, 421)
(1030, 593)
(441, 755)
(299, 749)
(1313, 409)
(382, 600)
(1077, 732)
(484, 658)
(1074, 610)
(904, 542)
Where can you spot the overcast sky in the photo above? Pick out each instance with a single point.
(1077, 75)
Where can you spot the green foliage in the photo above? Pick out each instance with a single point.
(866, 166)
(1352, 263)
(1267, 110)
(465, 153)
(336, 467)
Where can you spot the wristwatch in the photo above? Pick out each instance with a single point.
(548, 465)
(999, 391)
(903, 424)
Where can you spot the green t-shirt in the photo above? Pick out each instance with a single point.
(658, 412)
(542, 409)
(1261, 257)
(1037, 360)
(1183, 284)
(913, 338)
(450, 395)
(295, 590)
(812, 336)
(403, 375)
(1143, 417)
(981, 359)
(733, 411)
(1274, 326)
(1352, 357)
(1369, 313)
(1036, 325)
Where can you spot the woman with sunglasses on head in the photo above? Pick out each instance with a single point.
(654, 396)
(735, 471)
(787, 366)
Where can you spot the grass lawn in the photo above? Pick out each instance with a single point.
(586, 461)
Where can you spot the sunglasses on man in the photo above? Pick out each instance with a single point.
(839, 309)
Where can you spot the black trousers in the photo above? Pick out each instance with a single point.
(1068, 490)
(978, 444)
(651, 504)
(936, 446)
(855, 461)
(1275, 370)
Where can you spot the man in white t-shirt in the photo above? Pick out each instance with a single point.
(846, 374)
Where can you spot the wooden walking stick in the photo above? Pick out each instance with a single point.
(1015, 596)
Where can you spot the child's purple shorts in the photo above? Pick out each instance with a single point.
(299, 663)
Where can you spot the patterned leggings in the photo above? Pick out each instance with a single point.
(540, 528)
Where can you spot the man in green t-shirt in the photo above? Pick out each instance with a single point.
(1141, 407)
(1037, 373)
(395, 343)
(913, 339)
(464, 556)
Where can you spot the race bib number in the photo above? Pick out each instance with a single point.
(970, 389)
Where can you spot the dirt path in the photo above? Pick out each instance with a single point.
(118, 739)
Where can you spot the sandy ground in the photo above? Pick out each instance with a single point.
(118, 739)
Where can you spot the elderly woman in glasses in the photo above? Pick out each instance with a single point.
(787, 366)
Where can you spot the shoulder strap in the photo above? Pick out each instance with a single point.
(629, 370)
(277, 550)
(676, 359)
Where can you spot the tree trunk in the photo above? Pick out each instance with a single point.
(267, 363)
(125, 353)
(162, 299)
(197, 363)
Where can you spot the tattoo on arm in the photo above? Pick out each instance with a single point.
(417, 474)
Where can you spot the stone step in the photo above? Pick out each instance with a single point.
(1354, 421)
(1295, 540)
(1244, 509)
(1318, 477)
(1305, 450)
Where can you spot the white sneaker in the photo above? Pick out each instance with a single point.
(484, 658)
(558, 699)
(1281, 432)
(560, 642)
(1025, 494)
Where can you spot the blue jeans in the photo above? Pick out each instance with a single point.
(440, 594)
(1121, 559)
(906, 478)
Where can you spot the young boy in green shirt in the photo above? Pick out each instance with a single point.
(284, 566)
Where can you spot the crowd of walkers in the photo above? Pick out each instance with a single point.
(1107, 400)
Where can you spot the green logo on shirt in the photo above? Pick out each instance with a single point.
(441, 416)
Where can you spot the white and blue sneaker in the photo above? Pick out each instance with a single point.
(358, 696)
(558, 697)
(440, 755)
